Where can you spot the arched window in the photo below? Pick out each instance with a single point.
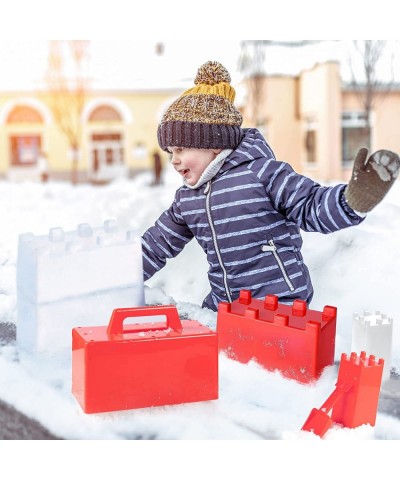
(24, 114)
(104, 113)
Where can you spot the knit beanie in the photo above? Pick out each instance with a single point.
(204, 116)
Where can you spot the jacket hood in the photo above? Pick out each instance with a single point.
(247, 150)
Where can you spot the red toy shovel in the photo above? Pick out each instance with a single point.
(354, 401)
(319, 422)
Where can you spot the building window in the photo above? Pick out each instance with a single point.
(24, 114)
(355, 135)
(24, 149)
(311, 142)
(105, 113)
(107, 150)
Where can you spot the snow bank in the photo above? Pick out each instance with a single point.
(355, 270)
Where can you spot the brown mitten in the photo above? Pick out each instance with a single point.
(371, 179)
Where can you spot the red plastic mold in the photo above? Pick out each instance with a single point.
(297, 341)
(354, 401)
(123, 367)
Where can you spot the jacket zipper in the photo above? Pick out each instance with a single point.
(272, 248)
(207, 191)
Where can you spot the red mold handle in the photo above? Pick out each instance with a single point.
(116, 324)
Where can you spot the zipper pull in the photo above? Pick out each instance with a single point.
(270, 247)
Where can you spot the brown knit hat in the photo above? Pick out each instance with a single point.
(204, 116)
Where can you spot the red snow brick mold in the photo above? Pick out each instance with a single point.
(143, 364)
(298, 342)
(354, 401)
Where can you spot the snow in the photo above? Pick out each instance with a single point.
(386, 166)
(355, 270)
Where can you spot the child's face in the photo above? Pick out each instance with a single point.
(191, 162)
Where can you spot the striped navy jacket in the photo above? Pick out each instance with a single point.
(247, 219)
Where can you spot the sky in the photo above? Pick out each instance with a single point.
(123, 38)
(134, 64)
(118, 63)
(254, 404)
(212, 20)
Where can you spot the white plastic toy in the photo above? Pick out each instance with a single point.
(69, 279)
(372, 333)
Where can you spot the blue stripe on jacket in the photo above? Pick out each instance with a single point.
(254, 200)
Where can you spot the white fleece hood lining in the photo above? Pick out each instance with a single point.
(211, 170)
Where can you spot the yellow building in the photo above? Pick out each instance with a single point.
(311, 121)
(119, 135)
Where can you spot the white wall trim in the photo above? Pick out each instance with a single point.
(28, 102)
(115, 103)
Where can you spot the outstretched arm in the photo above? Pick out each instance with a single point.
(311, 206)
(165, 239)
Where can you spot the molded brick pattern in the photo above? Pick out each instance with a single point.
(70, 279)
(62, 265)
(297, 341)
(373, 334)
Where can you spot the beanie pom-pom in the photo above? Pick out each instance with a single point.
(212, 73)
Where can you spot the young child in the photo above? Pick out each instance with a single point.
(243, 206)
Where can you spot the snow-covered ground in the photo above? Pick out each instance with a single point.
(356, 269)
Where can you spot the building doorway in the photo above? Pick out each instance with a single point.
(106, 157)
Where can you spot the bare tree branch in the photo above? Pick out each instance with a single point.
(68, 86)
(281, 43)
(251, 65)
(365, 81)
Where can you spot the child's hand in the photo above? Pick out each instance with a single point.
(371, 179)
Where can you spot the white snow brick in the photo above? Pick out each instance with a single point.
(47, 328)
(62, 265)
(373, 333)
(70, 279)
